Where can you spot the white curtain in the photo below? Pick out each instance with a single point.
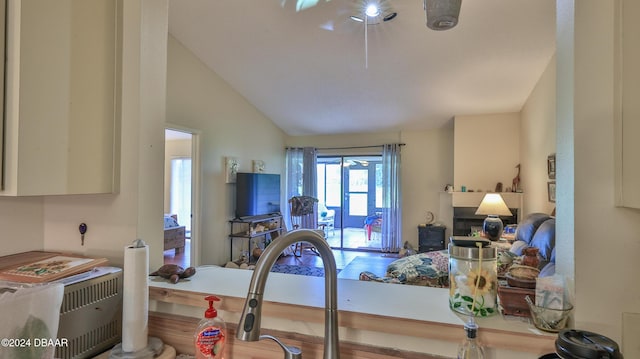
(391, 199)
(300, 178)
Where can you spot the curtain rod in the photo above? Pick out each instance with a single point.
(349, 148)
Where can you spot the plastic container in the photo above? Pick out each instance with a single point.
(473, 280)
(580, 344)
(210, 335)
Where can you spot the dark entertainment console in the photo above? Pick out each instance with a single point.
(430, 238)
(265, 228)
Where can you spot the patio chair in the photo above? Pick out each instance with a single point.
(326, 219)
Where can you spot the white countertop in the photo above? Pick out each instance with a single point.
(392, 300)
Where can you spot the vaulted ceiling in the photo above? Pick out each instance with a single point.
(308, 71)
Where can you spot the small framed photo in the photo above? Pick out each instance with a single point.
(258, 166)
(231, 169)
(551, 189)
(551, 166)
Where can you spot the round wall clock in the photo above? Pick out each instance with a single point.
(430, 217)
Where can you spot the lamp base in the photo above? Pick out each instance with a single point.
(492, 227)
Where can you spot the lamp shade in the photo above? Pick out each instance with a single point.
(493, 204)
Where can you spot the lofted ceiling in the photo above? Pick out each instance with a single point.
(307, 70)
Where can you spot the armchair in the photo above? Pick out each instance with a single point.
(326, 219)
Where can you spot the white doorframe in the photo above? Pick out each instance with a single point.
(195, 190)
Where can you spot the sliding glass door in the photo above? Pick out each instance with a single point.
(350, 187)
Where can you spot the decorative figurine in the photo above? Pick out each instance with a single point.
(516, 180)
(174, 272)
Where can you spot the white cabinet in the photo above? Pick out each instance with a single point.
(627, 118)
(61, 89)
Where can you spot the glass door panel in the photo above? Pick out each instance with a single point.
(329, 172)
(351, 187)
(356, 190)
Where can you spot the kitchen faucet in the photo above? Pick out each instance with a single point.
(249, 325)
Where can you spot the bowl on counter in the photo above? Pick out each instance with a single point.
(549, 319)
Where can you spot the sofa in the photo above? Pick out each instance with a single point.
(538, 230)
(431, 269)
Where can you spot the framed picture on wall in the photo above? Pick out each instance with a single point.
(231, 169)
(258, 166)
(551, 189)
(551, 166)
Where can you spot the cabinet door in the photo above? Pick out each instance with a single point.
(628, 111)
(62, 68)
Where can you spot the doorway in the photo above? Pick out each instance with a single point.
(180, 197)
(351, 186)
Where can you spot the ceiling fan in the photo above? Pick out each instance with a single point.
(440, 14)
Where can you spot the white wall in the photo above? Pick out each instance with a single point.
(199, 99)
(538, 141)
(427, 166)
(597, 242)
(21, 220)
(486, 151)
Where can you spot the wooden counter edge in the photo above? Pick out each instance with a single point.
(177, 331)
(502, 339)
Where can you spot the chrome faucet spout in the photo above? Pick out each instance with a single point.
(249, 325)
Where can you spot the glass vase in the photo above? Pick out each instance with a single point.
(473, 280)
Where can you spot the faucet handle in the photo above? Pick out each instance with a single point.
(290, 352)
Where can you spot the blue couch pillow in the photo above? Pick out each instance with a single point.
(545, 239)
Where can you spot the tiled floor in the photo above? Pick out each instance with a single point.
(374, 264)
(354, 238)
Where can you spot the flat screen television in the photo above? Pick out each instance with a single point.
(257, 194)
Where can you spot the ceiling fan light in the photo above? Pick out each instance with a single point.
(375, 12)
(372, 10)
(442, 14)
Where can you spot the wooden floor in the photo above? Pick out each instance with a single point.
(377, 264)
(183, 259)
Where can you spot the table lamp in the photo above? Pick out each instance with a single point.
(493, 206)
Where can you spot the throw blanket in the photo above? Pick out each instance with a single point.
(302, 205)
(429, 269)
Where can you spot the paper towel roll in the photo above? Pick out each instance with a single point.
(135, 301)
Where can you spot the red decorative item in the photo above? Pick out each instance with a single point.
(531, 257)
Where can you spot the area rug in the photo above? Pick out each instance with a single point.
(299, 270)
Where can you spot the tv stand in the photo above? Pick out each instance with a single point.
(267, 227)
